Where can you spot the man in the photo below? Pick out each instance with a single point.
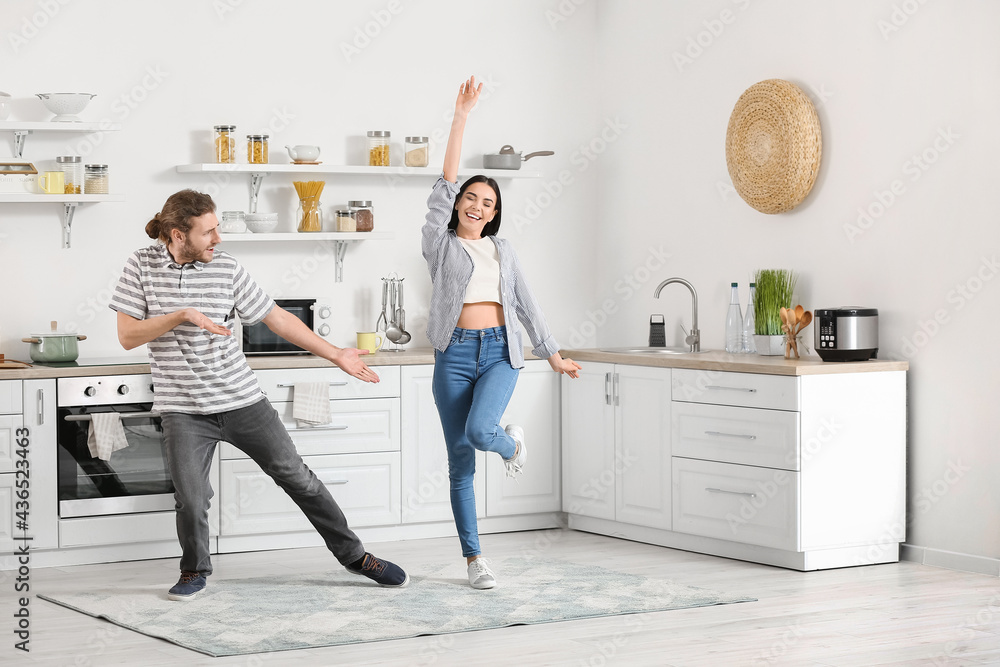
(177, 295)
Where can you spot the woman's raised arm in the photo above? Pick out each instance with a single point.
(468, 95)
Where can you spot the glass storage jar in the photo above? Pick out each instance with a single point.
(378, 148)
(345, 221)
(364, 214)
(309, 214)
(233, 222)
(72, 169)
(96, 179)
(225, 144)
(416, 152)
(257, 148)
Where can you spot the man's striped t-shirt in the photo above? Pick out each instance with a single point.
(194, 371)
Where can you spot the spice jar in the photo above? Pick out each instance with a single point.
(225, 144)
(72, 169)
(257, 148)
(345, 221)
(364, 215)
(378, 148)
(96, 179)
(416, 152)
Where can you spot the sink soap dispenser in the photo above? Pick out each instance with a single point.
(657, 332)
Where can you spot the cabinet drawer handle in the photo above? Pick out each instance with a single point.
(332, 384)
(41, 407)
(746, 389)
(731, 435)
(616, 389)
(336, 481)
(607, 388)
(322, 427)
(735, 493)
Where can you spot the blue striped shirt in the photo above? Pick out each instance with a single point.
(194, 371)
(451, 269)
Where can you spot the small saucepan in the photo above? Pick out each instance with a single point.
(53, 346)
(508, 159)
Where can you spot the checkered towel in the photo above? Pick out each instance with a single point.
(311, 403)
(106, 435)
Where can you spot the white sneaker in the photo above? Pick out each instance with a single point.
(516, 462)
(480, 575)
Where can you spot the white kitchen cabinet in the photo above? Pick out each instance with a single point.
(356, 455)
(816, 469)
(534, 406)
(616, 435)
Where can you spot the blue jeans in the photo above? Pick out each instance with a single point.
(256, 430)
(473, 382)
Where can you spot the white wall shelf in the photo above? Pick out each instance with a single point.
(22, 129)
(340, 241)
(69, 203)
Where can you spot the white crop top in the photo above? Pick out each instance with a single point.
(485, 282)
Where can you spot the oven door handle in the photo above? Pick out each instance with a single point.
(124, 415)
(321, 427)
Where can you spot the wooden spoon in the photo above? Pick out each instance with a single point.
(792, 318)
(807, 318)
(799, 311)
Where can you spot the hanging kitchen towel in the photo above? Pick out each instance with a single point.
(106, 435)
(311, 402)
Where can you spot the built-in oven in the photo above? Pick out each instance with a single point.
(135, 478)
(258, 340)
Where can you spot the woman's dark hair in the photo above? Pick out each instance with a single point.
(493, 226)
(177, 212)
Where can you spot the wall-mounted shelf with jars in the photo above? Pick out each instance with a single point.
(21, 130)
(257, 172)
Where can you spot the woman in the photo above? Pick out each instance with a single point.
(479, 294)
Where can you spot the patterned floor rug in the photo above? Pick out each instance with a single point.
(263, 614)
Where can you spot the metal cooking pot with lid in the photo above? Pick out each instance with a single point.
(54, 346)
(508, 159)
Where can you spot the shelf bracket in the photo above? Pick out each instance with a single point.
(69, 208)
(19, 137)
(256, 178)
(339, 250)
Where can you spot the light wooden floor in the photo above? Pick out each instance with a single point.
(899, 614)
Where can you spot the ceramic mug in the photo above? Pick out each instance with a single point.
(52, 183)
(369, 340)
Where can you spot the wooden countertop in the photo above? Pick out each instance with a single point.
(737, 363)
(707, 361)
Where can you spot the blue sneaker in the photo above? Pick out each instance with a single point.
(188, 586)
(382, 572)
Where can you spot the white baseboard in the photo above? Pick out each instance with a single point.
(950, 560)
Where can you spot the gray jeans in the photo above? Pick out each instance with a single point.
(257, 431)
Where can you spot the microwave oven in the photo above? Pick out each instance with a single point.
(258, 340)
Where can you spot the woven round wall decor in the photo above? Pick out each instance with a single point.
(773, 146)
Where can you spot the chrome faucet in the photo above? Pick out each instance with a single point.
(694, 338)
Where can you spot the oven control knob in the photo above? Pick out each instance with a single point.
(324, 313)
(90, 391)
(324, 330)
(122, 389)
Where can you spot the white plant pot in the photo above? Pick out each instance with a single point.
(770, 346)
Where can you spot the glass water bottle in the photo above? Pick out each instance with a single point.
(749, 346)
(734, 324)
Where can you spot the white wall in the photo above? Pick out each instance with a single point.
(639, 143)
(312, 72)
(884, 96)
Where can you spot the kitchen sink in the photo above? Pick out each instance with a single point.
(650, 350)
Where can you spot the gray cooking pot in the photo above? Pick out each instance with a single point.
(508, 159)
(53, 346)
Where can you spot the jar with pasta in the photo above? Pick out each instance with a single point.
(257, 148)
(416, 152)
(72, 169)
(378, 148)
(225, 144)
(364, 215)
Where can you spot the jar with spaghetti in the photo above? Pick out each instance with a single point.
(257, 148)
(345, 221)
(378, 148)
(225, 144)
(72, 169)
(95, 181)
(416, 152)
(364, 215)
(309, 214)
